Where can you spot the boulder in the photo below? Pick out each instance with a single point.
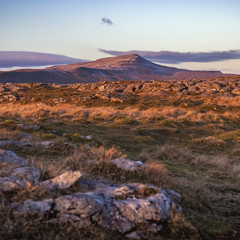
(133, 210)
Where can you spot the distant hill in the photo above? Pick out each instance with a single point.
(127, 67)
(29, 59)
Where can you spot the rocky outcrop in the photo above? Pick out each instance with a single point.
(133, 210)
(21, 177)
(119, 92)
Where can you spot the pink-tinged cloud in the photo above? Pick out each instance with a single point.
(179, 57)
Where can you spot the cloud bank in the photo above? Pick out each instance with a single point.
(29, 59)
(106, 21)
(179, 57)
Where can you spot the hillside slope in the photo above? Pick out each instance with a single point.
(127, 67)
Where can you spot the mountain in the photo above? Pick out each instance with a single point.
(126, 67)
(28, 59)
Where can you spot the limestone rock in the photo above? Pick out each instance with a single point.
(121, 208)
(63, 181)
(28, 127)
(8, 184)
(127, 164)
(13, 142)
(89, 137)
(29, 174)
(30, 206)
(102, 88)
(11, 158)
(47, 144)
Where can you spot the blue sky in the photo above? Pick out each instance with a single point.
(74, 27)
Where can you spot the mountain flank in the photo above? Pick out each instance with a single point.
(129, 67)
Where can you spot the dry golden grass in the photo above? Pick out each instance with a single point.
(224, 101)
(49, 169)
(209, 141)
(69, 111)
(236, 150)
(104, 154)
(221, 162)
(180, 228)
(234, 172)
(154, 172)
(95, 161)
(85, 156)
(144, 156)
(174, 153)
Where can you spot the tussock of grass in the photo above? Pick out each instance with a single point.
(236, 150)
(95, 162)
(180, 228)
(234, 172)
(209, 141)
(174, 153)
(86, 155)
(232, 135)
(154, 172)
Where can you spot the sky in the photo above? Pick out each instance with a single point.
(91, 29)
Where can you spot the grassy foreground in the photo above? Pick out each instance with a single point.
(192, 147)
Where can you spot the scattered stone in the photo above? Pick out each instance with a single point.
(28, 127)
(79, 136)
(47, 144)
(59, 100)
(102, 88)
(10, 97)
(11, 158)
(127, 164)
(64, 181)
(13, 142)
(27, 174)
(53, 144)
(89, 137)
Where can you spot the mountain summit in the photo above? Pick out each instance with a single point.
(126, 67)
